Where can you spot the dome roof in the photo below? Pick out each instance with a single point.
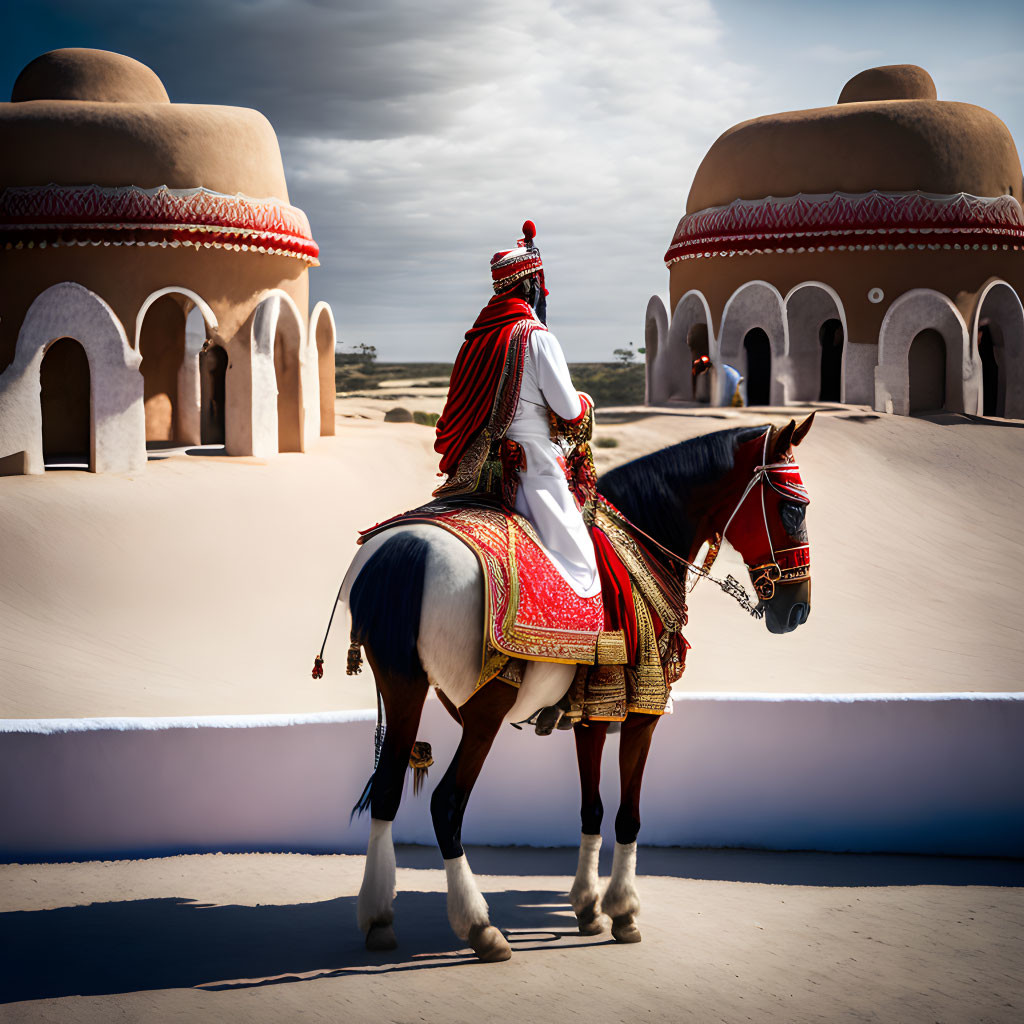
(79, 74)
(894, 82)
(889, 166)
(95, 151)
(113, 113)
(887, 133)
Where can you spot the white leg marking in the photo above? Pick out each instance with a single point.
(620, 898)
(585, 895)
(377, 893)
(466, 906)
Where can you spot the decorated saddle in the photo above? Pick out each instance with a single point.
(626, 640)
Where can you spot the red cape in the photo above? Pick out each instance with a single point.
(476, 376)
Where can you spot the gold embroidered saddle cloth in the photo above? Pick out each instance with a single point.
(530, 610)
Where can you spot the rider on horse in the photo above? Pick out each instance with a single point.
(513, 416)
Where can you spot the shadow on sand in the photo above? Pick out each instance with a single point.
(141, 945)
(832, 870)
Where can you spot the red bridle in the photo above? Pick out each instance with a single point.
(770, 565)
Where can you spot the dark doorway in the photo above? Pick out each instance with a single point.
(697, 343)
(213, 368)
(927, 367)
(66, 403)
(162, 347)
(830, 337)
(758, 350)
(990, 405)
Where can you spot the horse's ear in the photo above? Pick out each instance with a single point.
(783, 438)
(801, 431)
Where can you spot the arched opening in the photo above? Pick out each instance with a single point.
(289, 383)
(758, 351)
(213, 368)
(990, 390)
(162, 347)
(927, 371)
(697, 343)
(830, 338)
(66, 404)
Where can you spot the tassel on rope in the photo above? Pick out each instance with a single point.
(355, 659)
(318, 661)
(420, 760)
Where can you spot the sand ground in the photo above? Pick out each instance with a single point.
(728, 936)
(203, 584)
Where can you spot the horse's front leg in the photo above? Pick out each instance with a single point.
(621, 901)
(585, 895)
(482, 716)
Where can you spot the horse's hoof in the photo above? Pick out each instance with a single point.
(380, 938)
(624, 930)
(594, 924)
(489, 944)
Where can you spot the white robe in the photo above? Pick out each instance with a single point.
(543, 496)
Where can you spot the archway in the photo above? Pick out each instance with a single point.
(323, 331)
(655, 338)
(816, 332)
(924, 311)
(118, 429)
(757, 351)
(830, 339)
(66, 404)
(999, 333)
(162, 347)
(927, 369)
(756, 306)
(213, 368)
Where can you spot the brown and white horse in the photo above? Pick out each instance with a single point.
(416, 598)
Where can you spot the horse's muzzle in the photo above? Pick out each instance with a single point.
(789, 608)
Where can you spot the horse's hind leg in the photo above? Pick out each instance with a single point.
(481, 716)
(403, 703)
(585, 895)
(621, 901)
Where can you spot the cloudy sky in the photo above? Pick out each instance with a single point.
(418, 134)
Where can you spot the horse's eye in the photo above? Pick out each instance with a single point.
(792, 516)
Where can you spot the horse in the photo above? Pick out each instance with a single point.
(416, 598)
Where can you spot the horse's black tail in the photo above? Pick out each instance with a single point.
(385, 603)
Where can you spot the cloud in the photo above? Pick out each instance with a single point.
(418, 136)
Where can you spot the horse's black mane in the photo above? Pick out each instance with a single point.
(654, 491)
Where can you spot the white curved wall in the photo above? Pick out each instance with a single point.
(808, 306)
(1001, 306)
(755, 304)
(915, 311)
(118, 419)
(323, 335)
(906, 773)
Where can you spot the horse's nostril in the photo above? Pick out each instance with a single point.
(798, 614)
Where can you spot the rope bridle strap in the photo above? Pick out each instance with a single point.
(786, 565)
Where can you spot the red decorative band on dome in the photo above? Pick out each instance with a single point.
(840, 220)
(42, 215)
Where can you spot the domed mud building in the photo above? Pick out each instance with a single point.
(868, 252)
(153, 276)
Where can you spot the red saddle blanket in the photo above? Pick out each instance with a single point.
(530, 610)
